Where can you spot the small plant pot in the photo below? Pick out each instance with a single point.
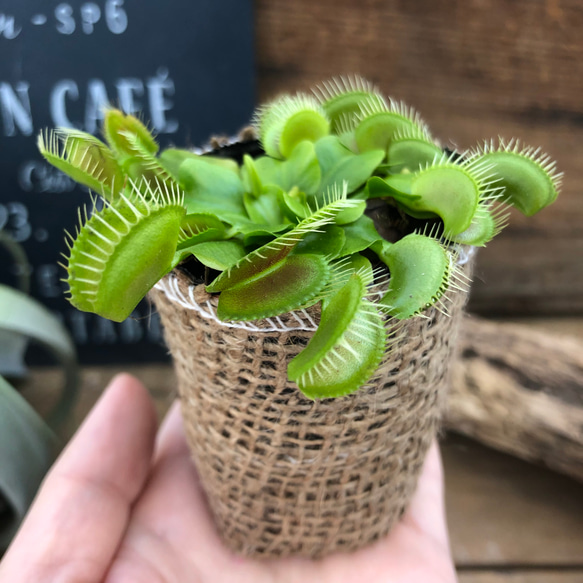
(285, 475)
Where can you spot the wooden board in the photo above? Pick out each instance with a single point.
(475, 69)
(503, 511)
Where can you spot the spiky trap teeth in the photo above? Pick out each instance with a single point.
(529, 177)
(342, 98)
(286, 122)
(84, 158)
(347, 347)
(422, 270)
(121, 251)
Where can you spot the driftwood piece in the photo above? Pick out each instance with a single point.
(520, 391)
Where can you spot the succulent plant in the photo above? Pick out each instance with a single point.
(289, 229)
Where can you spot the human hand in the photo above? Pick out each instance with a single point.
(124, 504)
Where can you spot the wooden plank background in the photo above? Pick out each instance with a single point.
(475, 69)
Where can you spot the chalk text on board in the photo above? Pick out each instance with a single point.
(8, 27)
(14, 220)
(150, 96)
(66, 20)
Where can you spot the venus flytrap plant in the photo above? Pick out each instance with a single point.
(123, 250)
(292, 228)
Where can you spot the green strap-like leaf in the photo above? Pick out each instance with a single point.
(219, 255)
(339, 164)
(212, 189)
(23, 317)
(359, 235)
(27, 450)
(268, 208)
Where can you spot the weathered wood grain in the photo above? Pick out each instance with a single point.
(521, 391)
(475, 69)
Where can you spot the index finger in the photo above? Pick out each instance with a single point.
(81, 512)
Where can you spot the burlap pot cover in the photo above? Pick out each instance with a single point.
(285, 475)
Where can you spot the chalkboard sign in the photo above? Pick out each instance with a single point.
(186, 65)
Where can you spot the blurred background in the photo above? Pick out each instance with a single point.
(474, 69)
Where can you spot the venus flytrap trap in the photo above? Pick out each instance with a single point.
(292, 228)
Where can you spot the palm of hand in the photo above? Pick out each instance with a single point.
(124, 505)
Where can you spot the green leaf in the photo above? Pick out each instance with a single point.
(339, 164)
(411, 153)
(219, 255)
(254, 237)
(328, 242)
(267, 208)
(486, 224)
(288, 121)
(27, 450)
(250, 176)
(286, 286)
(448, 190)
(350, 215)
(342, 270)
(345, 350)
(117, 127)
(21, 317)
(85, 159)
(200, 227)
(379, 124)
(212, 189)
(397, 186)
(121, 252)
(360, 235)
(342, 98)
(274, 252)
(296, 201)
(529, 178)
(172, 158)
(300, 170)
(420, 269)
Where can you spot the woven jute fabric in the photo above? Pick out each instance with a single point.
(285, 475)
